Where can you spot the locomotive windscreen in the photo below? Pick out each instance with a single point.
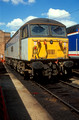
(39, 30)
(47, 30)
(58, 31)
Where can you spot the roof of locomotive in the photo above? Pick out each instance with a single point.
(43, 21)
(40, 21)
(72, 28)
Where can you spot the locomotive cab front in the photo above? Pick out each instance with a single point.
(47, 42)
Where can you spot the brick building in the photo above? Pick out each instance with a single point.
(4, 37)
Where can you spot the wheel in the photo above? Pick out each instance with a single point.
(26, 75)
(37, 75)
(67, 74)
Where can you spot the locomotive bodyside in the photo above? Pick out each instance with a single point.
(12, 47)
(39, 46)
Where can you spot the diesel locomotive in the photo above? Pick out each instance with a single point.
(39, 48)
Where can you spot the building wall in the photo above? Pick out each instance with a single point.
(4, 37)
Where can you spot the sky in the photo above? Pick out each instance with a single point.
(14, 13)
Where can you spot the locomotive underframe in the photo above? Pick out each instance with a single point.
(47, 68)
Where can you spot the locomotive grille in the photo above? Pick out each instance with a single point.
(51, 51)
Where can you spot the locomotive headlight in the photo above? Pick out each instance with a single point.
(51, 42)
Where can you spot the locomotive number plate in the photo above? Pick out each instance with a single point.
(51, 51)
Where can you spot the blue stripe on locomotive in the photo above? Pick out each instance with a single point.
(72, 42)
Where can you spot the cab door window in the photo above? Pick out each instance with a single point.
(24, 32)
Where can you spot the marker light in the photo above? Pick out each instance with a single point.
(45, 42)
(64, 48)
(38, 42)
(35, 48)
(60, 42)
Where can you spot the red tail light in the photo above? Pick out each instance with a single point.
(64, 48)
(35, 48)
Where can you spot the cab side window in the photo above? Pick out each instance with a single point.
(24, 32)
(11, 48)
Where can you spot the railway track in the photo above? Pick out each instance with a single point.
(64, 92)
(76, 72)
(71, 85)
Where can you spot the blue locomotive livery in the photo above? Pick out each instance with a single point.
(73, 35)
